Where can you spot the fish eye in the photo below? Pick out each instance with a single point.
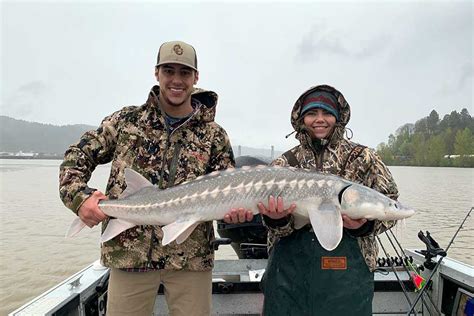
(396, 205)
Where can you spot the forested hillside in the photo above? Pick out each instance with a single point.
(430, 140)
(30, 137)
(18, 135)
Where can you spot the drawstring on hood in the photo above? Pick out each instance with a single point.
(347, 130)
(290, 134)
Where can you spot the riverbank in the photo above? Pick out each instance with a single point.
(37, 157)
(60, 157)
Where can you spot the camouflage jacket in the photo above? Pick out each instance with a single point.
(367, 169)
(137, 137)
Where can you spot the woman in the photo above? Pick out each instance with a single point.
(302, 278)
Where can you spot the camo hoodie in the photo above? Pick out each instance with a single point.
(367, 169)
(137, 137)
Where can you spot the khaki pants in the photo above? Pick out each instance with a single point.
(133, 293)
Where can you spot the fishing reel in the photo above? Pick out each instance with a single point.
(394, 261)
(432, 249)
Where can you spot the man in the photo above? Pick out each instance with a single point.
(170, 139)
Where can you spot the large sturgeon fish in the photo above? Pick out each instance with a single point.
(320, 200)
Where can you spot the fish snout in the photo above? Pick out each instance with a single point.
(401, 211)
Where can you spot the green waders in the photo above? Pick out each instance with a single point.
(302, 278)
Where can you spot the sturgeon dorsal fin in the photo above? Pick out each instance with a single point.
(135, 182)
(327, 225)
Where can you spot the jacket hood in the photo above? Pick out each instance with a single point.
(344, 115)
(208, 99)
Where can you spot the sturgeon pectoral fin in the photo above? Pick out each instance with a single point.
(115, 227)
(186, 233)
(179, 231)
(327, 225)
(135, 182)
(76, 226)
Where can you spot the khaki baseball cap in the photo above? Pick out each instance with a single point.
(177, 52)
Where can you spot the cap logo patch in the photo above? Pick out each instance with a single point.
(178, 50)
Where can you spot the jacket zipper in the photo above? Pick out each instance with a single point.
(174, 161)
(172, 168)
(173, 165)
(318, 156)
(320, 164)
(163, 160)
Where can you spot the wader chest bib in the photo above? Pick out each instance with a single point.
(302, 278)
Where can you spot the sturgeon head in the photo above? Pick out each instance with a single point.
(334, 197)
(358, 201)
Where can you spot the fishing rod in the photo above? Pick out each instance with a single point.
(404, 290)
(405, 262)
(439, 262)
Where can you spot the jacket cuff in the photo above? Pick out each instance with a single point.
(80, 198)
(362, 231)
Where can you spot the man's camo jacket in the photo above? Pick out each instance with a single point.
(368, 169)
(137, 137)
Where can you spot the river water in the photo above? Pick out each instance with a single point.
(34, 255)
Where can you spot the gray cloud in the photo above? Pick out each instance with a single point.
(26, 100)
(466, 73)
(320, 41)
(372, 47)
(32, 89)
(460, 78)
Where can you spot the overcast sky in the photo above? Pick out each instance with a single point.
(75, 62)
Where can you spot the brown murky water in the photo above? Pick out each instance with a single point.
(34, 255)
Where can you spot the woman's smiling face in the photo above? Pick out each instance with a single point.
(319, 122)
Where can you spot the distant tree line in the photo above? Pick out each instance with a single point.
(432, 142)
(426, 143)
(19, 135)
(46, 140)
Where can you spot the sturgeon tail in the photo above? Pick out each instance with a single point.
(76, 226)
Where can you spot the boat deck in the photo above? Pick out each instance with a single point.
(236, 290)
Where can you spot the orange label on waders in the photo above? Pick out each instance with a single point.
(334, 263)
